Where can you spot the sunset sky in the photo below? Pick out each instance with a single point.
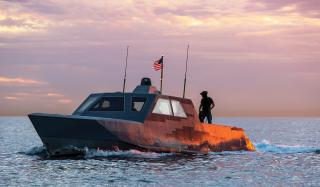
(255, 57)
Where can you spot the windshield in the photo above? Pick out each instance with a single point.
(86, 104)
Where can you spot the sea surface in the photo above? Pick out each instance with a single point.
(288, 154)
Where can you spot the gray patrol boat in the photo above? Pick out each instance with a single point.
(143, 119)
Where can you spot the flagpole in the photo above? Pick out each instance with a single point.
(185, 73)
(125, 71)
(161, 78)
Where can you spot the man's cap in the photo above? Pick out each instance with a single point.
(204, 93)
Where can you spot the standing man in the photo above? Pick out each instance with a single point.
(205, 108)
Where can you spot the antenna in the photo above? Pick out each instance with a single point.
(161, 76)
(185, 74)
(125, 71)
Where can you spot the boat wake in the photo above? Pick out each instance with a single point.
(93, 153)
(36, 151)
(124, 154)
(263, 147)
(266, 147)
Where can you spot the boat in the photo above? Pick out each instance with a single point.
(143, 119)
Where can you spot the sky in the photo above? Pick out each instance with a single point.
(254, 57)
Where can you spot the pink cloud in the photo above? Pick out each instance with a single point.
(12, 98)
(305, 7)
(55, 95)
(64, 101)
(19, 81)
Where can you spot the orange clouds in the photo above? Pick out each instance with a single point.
(12, 22)
(165, 17)
(64, 101)
(23, 96)
(12, 98)
(55, 95)
(19, 81)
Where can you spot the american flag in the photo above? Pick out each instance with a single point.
(157, 65)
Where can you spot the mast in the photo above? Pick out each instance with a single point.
(161, 78)
(125, 71)
(185, 73)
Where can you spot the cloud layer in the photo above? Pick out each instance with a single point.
(255, 57)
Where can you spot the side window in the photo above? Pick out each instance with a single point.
(178, 109)
(138, 103)
(162, 107)
(109, 104)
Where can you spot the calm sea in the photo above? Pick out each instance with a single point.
(288, 154)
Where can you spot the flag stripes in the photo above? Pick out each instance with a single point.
(158, 65)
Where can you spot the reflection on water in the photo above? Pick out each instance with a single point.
(288, 158)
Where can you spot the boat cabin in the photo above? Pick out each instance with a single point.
(144, 102)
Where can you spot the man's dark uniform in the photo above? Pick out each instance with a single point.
(205, 108)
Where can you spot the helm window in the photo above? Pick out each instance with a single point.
(109, 104)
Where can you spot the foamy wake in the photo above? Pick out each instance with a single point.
(123, 154)
(38, 150)
(93, 153)
(266, 147)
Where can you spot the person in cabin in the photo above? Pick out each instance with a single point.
(205, 108)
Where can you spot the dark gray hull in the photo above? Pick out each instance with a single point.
(69, 135)
(65, 135)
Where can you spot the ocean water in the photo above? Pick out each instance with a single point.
(288, 154)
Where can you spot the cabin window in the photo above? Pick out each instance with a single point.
(178, 109)
(137, 103)
(109, 104)
(87, 103)
(162, 107)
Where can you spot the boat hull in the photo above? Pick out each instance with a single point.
(65, 135)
